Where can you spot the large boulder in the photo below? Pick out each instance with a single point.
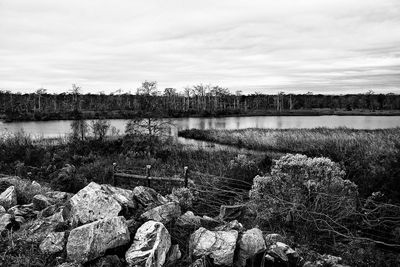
(8, 198)
(41, 202)
(90, 204)
(148, 197)
(219, 245)
(91, 240)
(164, 213)
(250, 244)
(53, 243)
(150, 246)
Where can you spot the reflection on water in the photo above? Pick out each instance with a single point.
(60, 128)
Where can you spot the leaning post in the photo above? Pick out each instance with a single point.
(186, 175)
(148, 167)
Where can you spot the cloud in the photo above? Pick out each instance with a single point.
(324, 46)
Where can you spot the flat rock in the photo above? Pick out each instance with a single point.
(219, 245)
(53, 243)
(150, 246)
(250, 244)
(8, 198)
(91, 240)
(174, 254)
(90, 204)
(148, 197)
(164, 213)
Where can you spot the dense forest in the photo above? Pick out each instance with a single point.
(196, 101)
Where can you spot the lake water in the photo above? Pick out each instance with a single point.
(61, 128)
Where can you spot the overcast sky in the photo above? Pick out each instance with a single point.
(337, 46)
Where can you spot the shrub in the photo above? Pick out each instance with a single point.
(183, 196)
(243, 169)
(309, 191)
(68, 180)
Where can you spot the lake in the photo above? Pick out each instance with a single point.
(50, 129)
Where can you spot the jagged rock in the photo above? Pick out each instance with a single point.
(219, 245)
(174, 254)
(6, 221)
(20, 220)
(271, 239)
(148, 197)
(124, 197)
(58, 197)
(230, 213)
(250, 244)
(25, 211)
(50, 210)
(91, 240)
(188, 220)
(53, 243)
(41, 202)
(164, 213)
(8, 198)
(90, 204)
(202, 262)
(282, 253)
(208, 222)
(36, 186)
(2, 209)
(150, 246)
(107, 261)
(233, 225)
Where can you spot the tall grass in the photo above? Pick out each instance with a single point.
(371, 158)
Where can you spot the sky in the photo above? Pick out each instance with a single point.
(296, 46)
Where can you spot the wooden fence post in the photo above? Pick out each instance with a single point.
(185, 175)
(114, 170)
(148, 167)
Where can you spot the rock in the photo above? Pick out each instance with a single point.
(202, 262)
(188, 220)
(107, 261)
(41, 202)
(229, 213)
(282, 253)
(70, 264)
(90, 204)
(53, 243)
(58, 197)
(150, 246)
(8, 198)
(2, 209)
(91, 240)
(208, 222)
(174, 254)
(163, 214)
(25, 211)
(124, 197)
(47, 212)
(36, 186)
(148, 197)
(219, 245)
(233, 225)
(133, 225)
(250, 244)
(20, 220)
(331, 260)
(6, 222)
(271, 239)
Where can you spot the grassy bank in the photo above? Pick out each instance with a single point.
(371, 158)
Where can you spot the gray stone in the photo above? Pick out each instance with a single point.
(174, 254)
(164, 213)
(271, 239)
(2, 210)
(150, 246)
(90, 204)
(250, 244)
(6, 221)
(70, 264)
(8, 198)
(53, 243)
(219, 245)
(188, 220)
(41, 202)
(124, 197)
(91, 240)
(148, 197)
(233, 225)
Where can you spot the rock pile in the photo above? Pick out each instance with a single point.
(102, 225)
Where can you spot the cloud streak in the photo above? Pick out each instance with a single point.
(297, 46)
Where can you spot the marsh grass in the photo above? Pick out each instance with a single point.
(371, 158)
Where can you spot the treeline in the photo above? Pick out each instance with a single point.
(197, 101)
